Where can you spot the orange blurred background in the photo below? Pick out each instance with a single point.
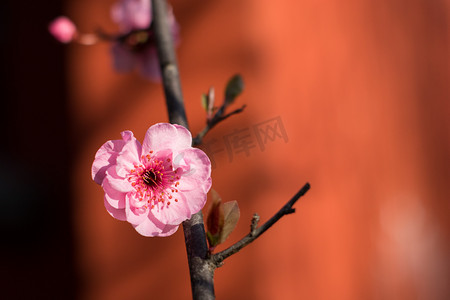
(362, 91)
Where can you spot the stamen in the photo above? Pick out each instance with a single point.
(155, 181)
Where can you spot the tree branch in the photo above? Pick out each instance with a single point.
(214, 121)
(200, 268)
(168, 64)
(218, 258)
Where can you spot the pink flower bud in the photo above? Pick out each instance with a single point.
(63, 29)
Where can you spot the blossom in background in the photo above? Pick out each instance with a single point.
(154, 186)
(134, 47)
(63, 29)
(132, 14)
(137, 49)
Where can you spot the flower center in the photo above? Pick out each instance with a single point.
(151, 179)
(155, 181)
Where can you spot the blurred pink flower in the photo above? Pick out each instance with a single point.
(63, 29)
(132, 14)
(155, 186)
(137, 49)
(145, 60)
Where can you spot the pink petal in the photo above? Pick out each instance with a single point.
(128, 157)
(117, 182)
(149, 64)
(123, 59)
(63, 29)
(168, 230)
(194, 163)
(134, 216)
(195, 199)
(149, 227)
(106, 157)
(115, 198)
(166, 136)
(174, 213)
(163, 155)
(132, 14)
(189, 184)
(127, 136)
(119, 214)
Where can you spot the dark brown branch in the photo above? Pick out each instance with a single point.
(218, 117)
(200, 268)
(218, 258)
(168, 64)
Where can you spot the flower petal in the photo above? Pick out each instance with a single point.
(132, 14)
(117, 182)
(128, 157)
(123, 59)
(194, 163)
(168, 230)
(118, 214)
(106, 156)
(166, 136)
(195, 199)
(135, 214)
(127, 136)
(149, 64)
(173, 213)
(207, 185)
(148, 227)
(114, 197)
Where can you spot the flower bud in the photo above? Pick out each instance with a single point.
(63, 29)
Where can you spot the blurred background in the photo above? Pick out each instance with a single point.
(351, 96)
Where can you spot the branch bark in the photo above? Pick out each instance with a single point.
(200, 268)
(168, 64)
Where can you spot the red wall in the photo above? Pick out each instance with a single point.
(361, 88)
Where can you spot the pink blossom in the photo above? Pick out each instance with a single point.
(154, 186)
(63, 29)
(137, 49)
(132, 14)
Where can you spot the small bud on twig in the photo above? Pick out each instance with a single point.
(254, 224)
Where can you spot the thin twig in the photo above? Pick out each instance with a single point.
(218, 117)
(254, 224)
(218, 258)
